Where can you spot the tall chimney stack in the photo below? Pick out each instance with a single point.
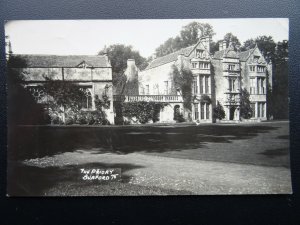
(220, 45)
(208, 44)
(224, 44)
(131, 73)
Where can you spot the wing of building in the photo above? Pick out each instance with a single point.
(219, 79)
(91, 73)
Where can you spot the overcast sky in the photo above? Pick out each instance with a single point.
(88, 37)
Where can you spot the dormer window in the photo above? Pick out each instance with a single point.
(199, 53)
(255, 58)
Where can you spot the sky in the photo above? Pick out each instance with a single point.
(88, 37)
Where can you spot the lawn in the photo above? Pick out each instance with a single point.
(54, 154)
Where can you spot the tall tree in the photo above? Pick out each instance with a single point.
(230, 38)
(266, 45)
(280, 82)
(118, 55)
(22, 106)
(189, 35)
(248, 44)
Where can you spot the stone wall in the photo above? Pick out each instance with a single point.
(155, 78)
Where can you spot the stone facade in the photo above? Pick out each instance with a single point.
(93, 74)
(218, 78)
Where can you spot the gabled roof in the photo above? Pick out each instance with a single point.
(171, 57)
(245, 55)
(52, 61)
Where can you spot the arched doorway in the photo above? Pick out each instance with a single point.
(232, 112)
(178, 114)
(156, 113)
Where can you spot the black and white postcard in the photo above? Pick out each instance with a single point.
(148, 107)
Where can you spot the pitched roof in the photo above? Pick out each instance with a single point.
(170, 57)
(62, 60)
(228, 52)
(219, 54)
(245, 55)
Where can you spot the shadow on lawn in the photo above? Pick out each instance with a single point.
(273, 153)
(38, 141)
(27, 180)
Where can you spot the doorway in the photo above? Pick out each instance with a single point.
(232, 112)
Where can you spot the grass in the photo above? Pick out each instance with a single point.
(263, 144)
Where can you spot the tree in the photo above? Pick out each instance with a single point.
(189, 35)
(265, 44)
(218, 112)
(22, 106)
(248, 44)
(229, 38)
(280, 90)
(245, 107)
(278, 55)
(118, 55)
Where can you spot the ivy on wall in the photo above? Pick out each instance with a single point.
(245, 108)
(142, 111)
(65, 98)
(182, 80)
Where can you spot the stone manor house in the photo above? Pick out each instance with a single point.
(218, 78)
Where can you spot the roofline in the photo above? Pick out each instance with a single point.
(251, 53)
(195, 45)
(69, 67)
(158, 65)
(55, 55)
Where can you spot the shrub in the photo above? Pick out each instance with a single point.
(90, 118)
(142, 111)
(81, 118)
(218, 112)
(179, 118)
(69, 121)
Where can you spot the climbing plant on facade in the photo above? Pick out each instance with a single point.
(182, 80)
(245, 107)
(142, 111)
